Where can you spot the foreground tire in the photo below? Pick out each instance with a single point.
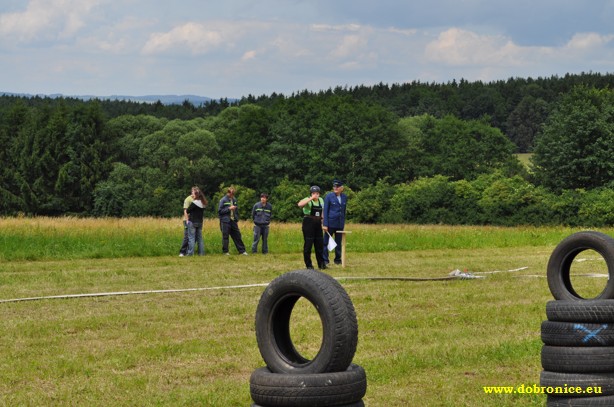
(605, 401)
(577, 334)
(591, 311)
(566, 359)
(336, 311)
(563, 381)
(357, 404)
(308, 390)
(559, 265)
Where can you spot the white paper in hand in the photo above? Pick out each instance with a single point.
(331, 243)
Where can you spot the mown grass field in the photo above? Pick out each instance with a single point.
(525, 158)
(422, 343)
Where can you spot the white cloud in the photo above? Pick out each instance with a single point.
(463, 53)
(404, 32)
(588, 41)
(249, 55)
(349, 46)
(290, 47)
(47, 20)
(461, 47)
(327, 27)
(191, 36)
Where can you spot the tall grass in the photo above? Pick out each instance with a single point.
(75, 238)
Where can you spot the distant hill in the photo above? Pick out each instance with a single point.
(164, 99)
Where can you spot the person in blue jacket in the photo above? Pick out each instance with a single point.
(335, 204)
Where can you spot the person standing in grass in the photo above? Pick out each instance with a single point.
(335, 204)
(228, 212)
(312, 206)
(261, 215)
(186, 203)
(195, 213)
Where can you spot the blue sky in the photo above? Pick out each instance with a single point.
(232, 48)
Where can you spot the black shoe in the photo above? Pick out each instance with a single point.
(338, 263)
(322, 266)
(309, 267)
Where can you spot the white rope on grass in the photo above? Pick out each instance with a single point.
(501, 271)
(454, 275)
(181, 290)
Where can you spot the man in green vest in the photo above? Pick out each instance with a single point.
(313, 206)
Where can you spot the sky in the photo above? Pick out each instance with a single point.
(235, 48)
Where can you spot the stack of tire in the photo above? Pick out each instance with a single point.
(578, 336)
(291, 380)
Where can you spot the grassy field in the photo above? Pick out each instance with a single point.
(427, 343)
(525, 158)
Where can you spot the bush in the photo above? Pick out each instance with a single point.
(515, 201)
(369, 204)
(426, 200)
(597, 208)
(284, 199)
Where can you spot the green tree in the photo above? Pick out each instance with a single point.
(320, 137)
(597, 208)
(456, 148)
(526, 121)
(515, 201)
(284, 198)
(11, 200)
(371, 203)
(576, 147)
(242, 134)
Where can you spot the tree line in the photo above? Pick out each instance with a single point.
(103, 158)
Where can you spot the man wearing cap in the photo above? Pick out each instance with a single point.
(335, 204)
(261, 215)
(313, 206)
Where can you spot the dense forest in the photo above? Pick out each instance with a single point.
(414, 152)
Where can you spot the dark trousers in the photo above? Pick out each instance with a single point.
(261, 230)
(337, 237)
(184, 244)
(231, 229)
(312, 234)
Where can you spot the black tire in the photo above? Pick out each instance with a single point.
(566, 359)
(308, 390)
(357, 404)
(577, 334)
(592, 311)
(559, 265)
(562, 382)
(605, 401)
(336, 311)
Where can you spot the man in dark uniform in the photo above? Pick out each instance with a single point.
(335, 204)
(261, 215)
(313, 206)
(228, 212)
